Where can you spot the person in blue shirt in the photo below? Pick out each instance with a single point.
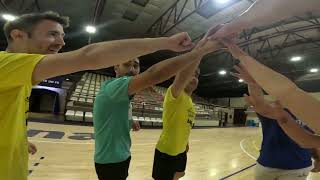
(282, 157)
(112, 108)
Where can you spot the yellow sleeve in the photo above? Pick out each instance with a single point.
(169, 97)
(16, 68)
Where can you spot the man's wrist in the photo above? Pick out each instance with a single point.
(198, 52)
(157, 44)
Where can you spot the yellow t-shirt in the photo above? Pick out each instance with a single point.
(15, 87)
(178, 119)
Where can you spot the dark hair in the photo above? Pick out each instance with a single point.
(27, 22)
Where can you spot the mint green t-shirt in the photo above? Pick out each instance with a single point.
(112, 120)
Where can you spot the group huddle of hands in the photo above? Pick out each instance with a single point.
(222, 37)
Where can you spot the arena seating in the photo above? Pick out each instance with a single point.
(147, 104)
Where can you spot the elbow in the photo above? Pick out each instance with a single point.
(304, 142)
(86, 56)
(88, 50)
(310, 142)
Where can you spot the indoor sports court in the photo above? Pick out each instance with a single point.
(215, 153)
(226, 131)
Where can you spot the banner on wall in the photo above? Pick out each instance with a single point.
(53, 82)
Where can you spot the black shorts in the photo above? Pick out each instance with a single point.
(113, 171)
(165, 166)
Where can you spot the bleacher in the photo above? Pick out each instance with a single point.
(147, 104)
(147, 107)
(80, 104)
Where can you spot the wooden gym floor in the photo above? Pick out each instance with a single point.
(215, 153)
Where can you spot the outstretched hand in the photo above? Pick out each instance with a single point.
(207, 46)
(226, 31)
(242, 73)
(135, 126)
(233, 48)
(180, 42)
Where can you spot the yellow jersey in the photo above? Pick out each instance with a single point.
(178, 118)
(15, 87)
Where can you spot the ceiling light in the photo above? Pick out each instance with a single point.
(8, 17)
(91, 29)
(240, 80)
(296, 58)
(314, 70)
(222, 72)
(222, 1)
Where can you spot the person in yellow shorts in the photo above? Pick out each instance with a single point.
(34, 41)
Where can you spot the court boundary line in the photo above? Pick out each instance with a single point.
(246, 152)
(89, 143)
(223, 178)
(237, 172)
(243, 169)
(81, 143)
(30, 171)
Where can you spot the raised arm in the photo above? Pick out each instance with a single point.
(299, 102)
(301, 136)
(185, 75)
(264, 12)
(106, 54)
(168, 68)
(275, 111)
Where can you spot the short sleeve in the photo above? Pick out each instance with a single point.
(170, 98)
(16, 69)
(118, 89)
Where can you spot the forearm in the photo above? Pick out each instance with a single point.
(297, 134)
(255, 88)
(256, 92)
(184, 76)
(106, 54)
(189, 71)
(304, 106)
(168, 68)
(271, 81)
(264, 12)
(300, 103)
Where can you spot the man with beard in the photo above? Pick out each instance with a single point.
(24, 64)
(112, 108)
